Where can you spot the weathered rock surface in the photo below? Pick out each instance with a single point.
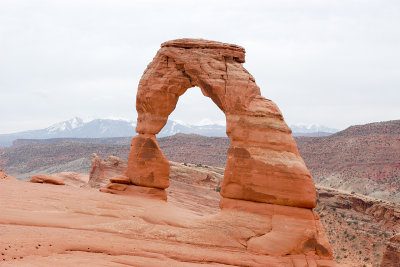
(263, 162)
(147, 165)
(101, 171)
(147, 171)
(292, 230)
(63, 178)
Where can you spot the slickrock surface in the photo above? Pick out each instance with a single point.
(62, 178)
(47, 225)
(192, 184)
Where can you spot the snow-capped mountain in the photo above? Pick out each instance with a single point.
(99, 128)
(65, 125)
(311, 128)
(173, 127)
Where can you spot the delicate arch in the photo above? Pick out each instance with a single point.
(263, 163)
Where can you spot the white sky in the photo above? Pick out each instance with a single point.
(334, 63)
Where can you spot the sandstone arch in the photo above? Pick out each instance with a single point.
(263, 163)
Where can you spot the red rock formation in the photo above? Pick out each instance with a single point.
(264, 173)
(147, 165)
(263, 163)
(101, 171)
(5, 176)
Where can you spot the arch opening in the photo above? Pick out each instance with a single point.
(197, 161)
(195, 109)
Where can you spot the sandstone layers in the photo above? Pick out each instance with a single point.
(264, 173)
(263, 163)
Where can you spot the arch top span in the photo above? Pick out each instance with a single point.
(230, 50)
(263, 163)
(180, 64)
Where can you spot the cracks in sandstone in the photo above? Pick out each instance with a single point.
(181, 67)
(227, 77)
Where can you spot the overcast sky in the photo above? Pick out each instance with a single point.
(334, 63)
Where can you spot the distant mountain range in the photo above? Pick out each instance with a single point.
(101, 128)
(311, 130)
